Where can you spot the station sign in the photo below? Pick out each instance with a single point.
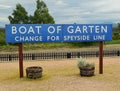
(22, 33)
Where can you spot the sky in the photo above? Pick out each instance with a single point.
(68, 11)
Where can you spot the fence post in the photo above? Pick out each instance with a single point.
(68, 55)
(33, 56)
(97, 54)
(10, 58)
(118, 53)
(78, 54)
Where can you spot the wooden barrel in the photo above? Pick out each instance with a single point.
(87, 71)
(34, 72)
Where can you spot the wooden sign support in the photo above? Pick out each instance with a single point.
(100, 57)
(20, 60)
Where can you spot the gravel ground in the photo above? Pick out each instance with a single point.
(61, 76)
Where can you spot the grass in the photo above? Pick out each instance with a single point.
(46, 46)
(33, 46)
(61, 76)
(113, 42)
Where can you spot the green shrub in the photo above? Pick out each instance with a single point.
(82, 63)
(116, 36)
(2, 38)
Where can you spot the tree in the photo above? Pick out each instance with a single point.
(19, 15)
(119, 27)
(2, 36)
(41, 14)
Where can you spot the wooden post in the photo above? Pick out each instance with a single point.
(101, 58)
(20, 60)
